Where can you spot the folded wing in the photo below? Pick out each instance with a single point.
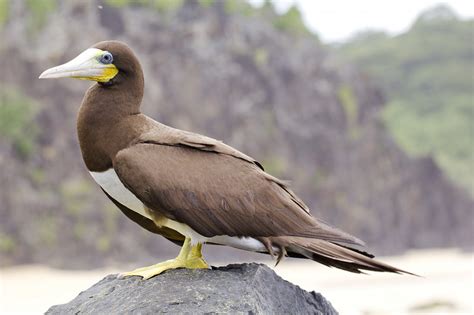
(215, 189)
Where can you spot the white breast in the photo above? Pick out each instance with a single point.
(110, 182)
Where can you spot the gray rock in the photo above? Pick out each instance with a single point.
(240, 288)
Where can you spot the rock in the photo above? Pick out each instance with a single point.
(239, 288)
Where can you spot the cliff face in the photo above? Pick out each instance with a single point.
(279, 98)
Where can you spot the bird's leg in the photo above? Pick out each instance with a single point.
(194, 259)
(189, 257)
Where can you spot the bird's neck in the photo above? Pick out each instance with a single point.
(103, 123)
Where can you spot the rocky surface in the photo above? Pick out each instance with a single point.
(242, 289)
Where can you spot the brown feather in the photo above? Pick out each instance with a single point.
(332, 255)
(216, 194)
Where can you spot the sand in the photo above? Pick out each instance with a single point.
(447, 285)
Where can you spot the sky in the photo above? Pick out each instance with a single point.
(337, 20)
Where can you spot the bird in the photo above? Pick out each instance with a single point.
(190, 188)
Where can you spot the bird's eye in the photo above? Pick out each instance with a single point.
(106, 58)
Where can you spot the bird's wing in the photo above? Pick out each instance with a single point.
(162, 134)
(215, 189)
(166, 135)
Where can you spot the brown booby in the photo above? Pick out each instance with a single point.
(190, 188)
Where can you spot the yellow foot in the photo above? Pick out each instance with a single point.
(189, 257)
(151, 271)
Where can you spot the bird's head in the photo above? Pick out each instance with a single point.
(105, 62)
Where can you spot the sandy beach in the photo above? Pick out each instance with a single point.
(446, 285)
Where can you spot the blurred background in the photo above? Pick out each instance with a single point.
(367, 107)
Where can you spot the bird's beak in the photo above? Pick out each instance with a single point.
(86, 66)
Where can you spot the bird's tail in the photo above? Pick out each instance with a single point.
(327, 253)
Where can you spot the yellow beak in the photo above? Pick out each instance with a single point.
(86, 66)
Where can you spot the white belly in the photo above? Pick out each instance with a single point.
(110, 182)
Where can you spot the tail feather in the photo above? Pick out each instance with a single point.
(330, 254)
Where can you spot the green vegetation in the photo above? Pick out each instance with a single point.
(291, 22)
(74, 192)
(167, 5)
(206, 3)
(110, 219)
(160, 5)
(238, 6)
(37, 175)
(275, 166)
(48, 230)
(260, 57)
(17, 113)
(427, 73)
(121, 3)
(351, 108)
(39, 10)
(7, 243)
(103, 243)
(4, 10)
(320, 176)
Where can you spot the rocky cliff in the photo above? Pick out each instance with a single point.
(231, 75)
